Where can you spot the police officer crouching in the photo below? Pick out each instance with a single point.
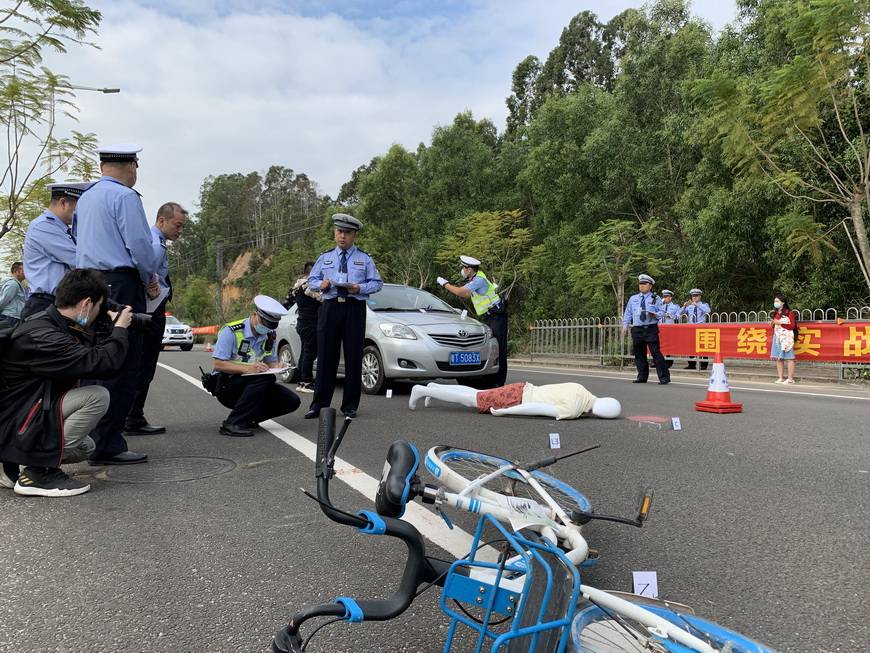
(487, 304)
(643, 312)
(247, 347)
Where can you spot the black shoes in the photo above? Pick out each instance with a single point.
(236, 431)
(349, 412)
(48, 482)
(665, 382)
(639, 381)
(123, 458)
(312, 412)
(142, 428)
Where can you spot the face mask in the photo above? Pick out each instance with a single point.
(777, 304)
(82, 319)
(262, 330)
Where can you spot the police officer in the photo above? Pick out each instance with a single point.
(697, 312)
(347, 276)
(113, 236)
(171, 218)
(50, 245)
(671, 315)
(643, 312)
(487, 304)
(247, 347)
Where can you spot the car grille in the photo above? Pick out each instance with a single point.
(177, 331)
(471, 340)
(447, 367)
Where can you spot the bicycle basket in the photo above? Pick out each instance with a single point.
(525, 601)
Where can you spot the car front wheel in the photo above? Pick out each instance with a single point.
(285, 358)
(186, 347)
(374, 381)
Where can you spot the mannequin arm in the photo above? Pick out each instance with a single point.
(535, 410)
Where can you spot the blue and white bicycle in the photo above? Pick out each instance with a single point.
(519, 588)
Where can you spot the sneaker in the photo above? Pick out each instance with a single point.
(780, 381)
(304, 387)
(789, 382)
(8, 475)
(48, 482)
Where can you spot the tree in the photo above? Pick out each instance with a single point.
(802, 120)
(31, 97)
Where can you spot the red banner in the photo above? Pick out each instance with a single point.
(817, 341)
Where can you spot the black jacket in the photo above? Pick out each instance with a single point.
(43, 359)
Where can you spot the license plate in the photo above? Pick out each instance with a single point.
(465, 358)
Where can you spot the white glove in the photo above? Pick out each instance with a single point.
(441, 281)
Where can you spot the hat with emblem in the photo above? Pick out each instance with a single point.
(270, 311)
(667, 293)
(469, 260)
(120, 153)
(345, 221)
(695, 291)
(645, 278)
(72, 189)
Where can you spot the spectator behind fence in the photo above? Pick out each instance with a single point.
(45, 418)
(784, 323)
(12, 296)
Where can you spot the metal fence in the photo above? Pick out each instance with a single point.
(600, 341)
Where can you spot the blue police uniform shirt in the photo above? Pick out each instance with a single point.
(49, 252)
(697, 312)
(112, 230)
(160, 254)
(633, 314)
(226, 349)
(360, 270)
(672, 313)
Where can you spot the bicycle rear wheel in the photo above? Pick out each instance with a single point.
(598, 630)
(457, 468)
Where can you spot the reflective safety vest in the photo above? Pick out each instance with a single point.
(482, 303)
(243, 347)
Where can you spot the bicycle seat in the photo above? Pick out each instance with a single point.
(398, 479)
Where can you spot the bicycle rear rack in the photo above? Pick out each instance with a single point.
(536, 594)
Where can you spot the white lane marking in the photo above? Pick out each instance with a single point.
(456, 541)
(546, 370)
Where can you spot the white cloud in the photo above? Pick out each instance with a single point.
(216, 89)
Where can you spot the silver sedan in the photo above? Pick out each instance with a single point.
(410, 335)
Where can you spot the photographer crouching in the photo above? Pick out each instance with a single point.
(45, 417)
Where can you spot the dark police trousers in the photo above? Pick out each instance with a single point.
(307, 331)
(125, 287)
(255, 398)
(641, 338)
(496, 319)
(152, 344)
(37, 301)
(340, 323)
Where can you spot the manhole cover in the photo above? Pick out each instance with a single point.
(169, 470)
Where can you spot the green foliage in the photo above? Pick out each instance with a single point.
(195, 303)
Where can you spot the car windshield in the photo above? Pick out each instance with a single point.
(405, 298)
(171, 319)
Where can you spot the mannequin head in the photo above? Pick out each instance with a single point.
(606, 408)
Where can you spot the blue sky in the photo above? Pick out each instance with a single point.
(211, 87)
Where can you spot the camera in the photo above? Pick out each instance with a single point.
(103, 325)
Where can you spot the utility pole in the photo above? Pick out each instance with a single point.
(219, 264)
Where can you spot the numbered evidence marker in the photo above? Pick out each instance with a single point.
(555, 442)
(676, 422)
(645, 583)
(390, 393)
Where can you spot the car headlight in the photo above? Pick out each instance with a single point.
(488, 331)
(398, 331)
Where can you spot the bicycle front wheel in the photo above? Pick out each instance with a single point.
(596, 629)
(457, 468)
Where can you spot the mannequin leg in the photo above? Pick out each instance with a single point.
(453, 394)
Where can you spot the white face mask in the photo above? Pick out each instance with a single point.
(777, 304)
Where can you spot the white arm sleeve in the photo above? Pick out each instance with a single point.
(535, 410)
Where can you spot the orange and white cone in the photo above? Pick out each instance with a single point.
(208, 346)
(718, 393)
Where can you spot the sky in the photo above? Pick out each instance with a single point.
(320, 86)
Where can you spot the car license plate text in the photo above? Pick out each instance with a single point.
(465, 358)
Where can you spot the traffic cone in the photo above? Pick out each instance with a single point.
(718, 393)
(208, 346)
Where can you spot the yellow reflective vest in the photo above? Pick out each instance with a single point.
(482, 303)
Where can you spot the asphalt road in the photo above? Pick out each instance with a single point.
(760, 521)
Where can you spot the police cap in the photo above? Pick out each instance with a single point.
(345, 221)
(469, 260)
(120, 153)
(270, 311)
(695, 291)
(72, 189)
(667, 293)
(645, 278)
